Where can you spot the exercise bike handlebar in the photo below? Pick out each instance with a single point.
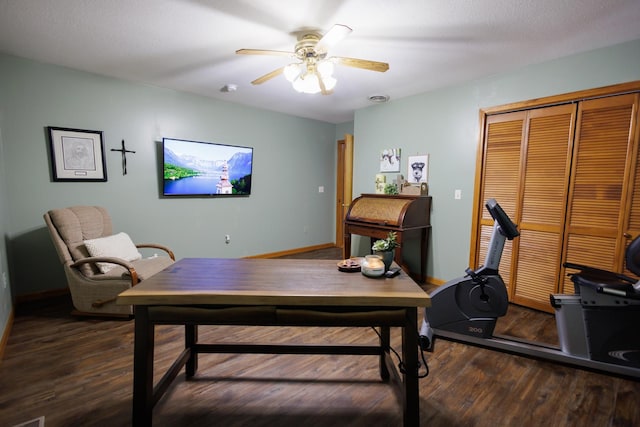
(506, 226)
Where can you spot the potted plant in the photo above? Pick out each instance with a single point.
(385, 247)
(391, 189)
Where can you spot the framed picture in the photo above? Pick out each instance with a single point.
(77, 155)
(381, 181)
(417, 169)
(390, 160)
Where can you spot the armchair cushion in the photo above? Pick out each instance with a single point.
(118, 246)
(71, 226)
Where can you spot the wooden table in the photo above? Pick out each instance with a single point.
(267, 292)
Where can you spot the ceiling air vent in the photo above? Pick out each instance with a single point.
(379, 98)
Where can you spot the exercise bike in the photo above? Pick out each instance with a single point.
(597, 325)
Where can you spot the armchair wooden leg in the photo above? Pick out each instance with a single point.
(99, 303)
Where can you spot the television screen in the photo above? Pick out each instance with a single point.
(193, 168)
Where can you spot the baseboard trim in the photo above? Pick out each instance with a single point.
(37, 296)
(434, 281)
(6, 333)
(294, 251)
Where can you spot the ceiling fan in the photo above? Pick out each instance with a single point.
(313, 71)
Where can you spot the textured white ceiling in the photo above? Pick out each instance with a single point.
(189, 45)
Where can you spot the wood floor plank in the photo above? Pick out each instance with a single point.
(78, 372)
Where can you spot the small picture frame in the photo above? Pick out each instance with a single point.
(417, 169)
(77, 154)
(390, 160)
(381, 180)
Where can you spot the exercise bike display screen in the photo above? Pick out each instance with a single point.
(507, 226)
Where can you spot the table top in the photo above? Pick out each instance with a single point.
(251, 281)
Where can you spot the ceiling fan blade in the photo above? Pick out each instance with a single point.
(263, 52)
(268, 76)
(362, 63)
(333, 36)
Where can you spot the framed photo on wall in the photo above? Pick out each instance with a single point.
(390, 160)
(417, 169)
(77, 154)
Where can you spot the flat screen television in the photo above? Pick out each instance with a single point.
(205, 169)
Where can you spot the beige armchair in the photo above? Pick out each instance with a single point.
(97, 263)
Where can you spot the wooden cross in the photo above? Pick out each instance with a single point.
(124, 152)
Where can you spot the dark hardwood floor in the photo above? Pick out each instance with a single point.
(78, 372)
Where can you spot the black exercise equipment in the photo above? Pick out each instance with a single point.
(597, 325)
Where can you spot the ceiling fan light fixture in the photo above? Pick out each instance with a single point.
(329, 83)
(307, 83)
(292, 71)
(325, 68)
(314, 71)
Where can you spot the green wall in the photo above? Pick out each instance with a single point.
(445, 125)
(292, 158)
(342, 129)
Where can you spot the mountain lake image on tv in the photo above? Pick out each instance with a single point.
(193, 168)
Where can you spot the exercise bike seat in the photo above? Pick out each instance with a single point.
(609, 282)
(613, 284)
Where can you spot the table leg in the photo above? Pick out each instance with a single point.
(385, 340)
(411, 401)
(143, 368)
(423, 255)
(190, 339)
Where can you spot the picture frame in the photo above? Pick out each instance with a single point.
(77, 154)
(390, 160)
(417, 169)
(381, 181)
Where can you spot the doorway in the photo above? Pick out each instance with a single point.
(344, 185)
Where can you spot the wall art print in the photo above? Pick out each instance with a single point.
(390, 160)
(417, 169)
(77, 154)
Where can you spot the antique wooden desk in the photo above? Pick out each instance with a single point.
(268, 292)
(375, 215)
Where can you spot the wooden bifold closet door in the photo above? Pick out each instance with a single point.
(599, 222)
(565, 174)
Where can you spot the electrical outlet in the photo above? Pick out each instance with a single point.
(227, 239)
(457, 194)
(4, 280)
